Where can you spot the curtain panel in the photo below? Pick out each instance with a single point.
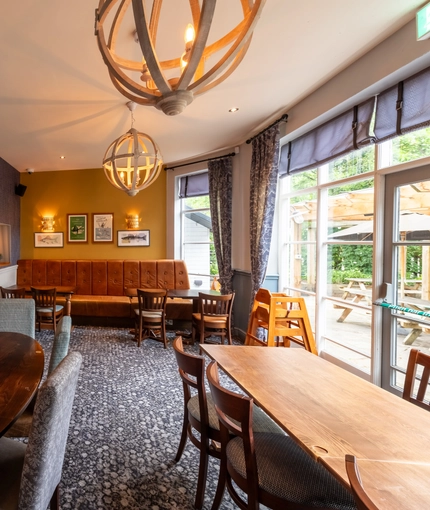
(345, 133)
(404, 107)
(220, 173)
(263, 181)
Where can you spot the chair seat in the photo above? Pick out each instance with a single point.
(12, 455)
(150, 315)
(286, 471)
(211, 320)
(48, 309)
(261, 422)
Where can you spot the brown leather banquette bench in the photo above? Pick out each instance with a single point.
(100, 285)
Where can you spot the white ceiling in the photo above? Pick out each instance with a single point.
(56, 97)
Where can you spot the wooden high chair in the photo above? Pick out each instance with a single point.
(283, 317)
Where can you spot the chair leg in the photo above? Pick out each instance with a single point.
(184, 434)
(55, 500)
(203, 471)
(163, 332)
(219, 494)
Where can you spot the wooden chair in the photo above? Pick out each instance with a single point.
(270, 469)
(47, 310)
(200, 415)
(361, 498)
(30, 474)
(281, 316)
(214, 317)
(151, 315)
(18, 293)
(417, 359)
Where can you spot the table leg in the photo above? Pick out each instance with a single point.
(68, 304)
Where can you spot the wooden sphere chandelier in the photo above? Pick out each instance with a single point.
(133, 161)
(170, 85)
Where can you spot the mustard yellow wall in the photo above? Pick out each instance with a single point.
(88, 191)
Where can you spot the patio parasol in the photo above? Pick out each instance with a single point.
(409, 222)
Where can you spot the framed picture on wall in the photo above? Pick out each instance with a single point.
(102, 228)
(133, 237)
(48, 239)
(77, 228)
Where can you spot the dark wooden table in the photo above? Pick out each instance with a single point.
(62, 290)
(21, 369)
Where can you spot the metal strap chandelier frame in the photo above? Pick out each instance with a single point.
(172, 95)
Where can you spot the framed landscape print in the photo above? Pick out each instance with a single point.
(102, 228)
(77, 228)
(48, 240)
(133, 237)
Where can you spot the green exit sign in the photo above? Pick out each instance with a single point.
(423, 23)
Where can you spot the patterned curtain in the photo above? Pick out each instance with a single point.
(264, 176)
(220, 194)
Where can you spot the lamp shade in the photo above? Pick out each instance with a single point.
(132, 162)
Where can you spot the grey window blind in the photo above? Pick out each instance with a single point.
(345, 133)
(404, 107)
(194, 185)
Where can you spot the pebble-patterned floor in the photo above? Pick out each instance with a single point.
(125, 428)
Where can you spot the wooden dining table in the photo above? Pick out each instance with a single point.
(21, 370)
(330, 412)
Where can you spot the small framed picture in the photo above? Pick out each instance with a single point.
(77, 228)
(48, 239)
(133, 237)
(102, 228)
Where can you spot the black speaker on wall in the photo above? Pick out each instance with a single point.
(20, 190)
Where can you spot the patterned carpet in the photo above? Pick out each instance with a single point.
(125, 428)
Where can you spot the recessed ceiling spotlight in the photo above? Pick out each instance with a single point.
(232, 110)
(62, 157)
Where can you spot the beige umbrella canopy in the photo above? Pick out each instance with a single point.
(409, 222)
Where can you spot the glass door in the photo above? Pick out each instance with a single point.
(406, 307)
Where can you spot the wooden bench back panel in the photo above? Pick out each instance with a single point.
(53, 272)
(148, 274)
(99, 277)
(131, 274)
(104, 277)
(115, 278)
(83, 277)
(39, 272)
(68, 273)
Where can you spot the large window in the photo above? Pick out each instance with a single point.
(327, 244)
(197, 248)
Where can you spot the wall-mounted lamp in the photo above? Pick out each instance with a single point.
(48, 223)
(132, 221)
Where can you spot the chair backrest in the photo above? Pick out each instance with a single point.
(192, 371)
(60, 346)
(213, 305)
(362, 500)
(18, 293)
(152, 299)
(235, 416)
(44, 298)
(18, 316)
(417, 359)
(44, 457)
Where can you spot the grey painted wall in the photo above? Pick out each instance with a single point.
(10, 206)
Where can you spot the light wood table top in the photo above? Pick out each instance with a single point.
(331, 412)
(21, 369)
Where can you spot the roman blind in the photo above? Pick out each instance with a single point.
(404, 107)
(194, 185)
(345, 133)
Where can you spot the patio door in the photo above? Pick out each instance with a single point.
(406, 307)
